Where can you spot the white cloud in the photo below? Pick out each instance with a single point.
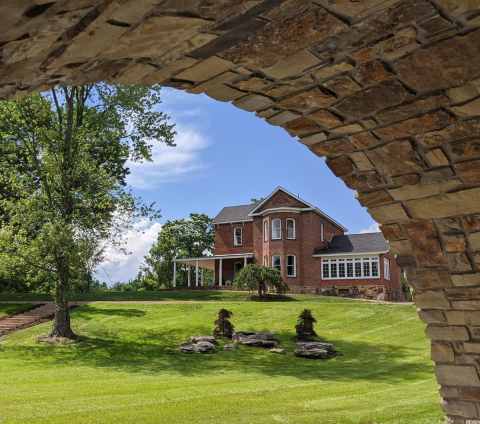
(171, 163)
(374, 228)
(121, 266)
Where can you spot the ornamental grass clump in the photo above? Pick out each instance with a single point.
(305, 324)
(223, 327)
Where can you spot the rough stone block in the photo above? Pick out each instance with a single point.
(362, 162)
(374, 198)
(313, 139)
(331, 147)
(325, 118)
(292, 65)
(364, 140)
(457, 375)
(370, 73)
(415, 126)
(332, 70)
(205, 70)
(460, 408)
(308, 100)
(348, 129)
(465, 92)
(253, 102)
(342, 86)
(457, 131)
(395, 158)
(442, 352)
(469, 171)
(393, 232)
(436, 157)
(431, 299)
(428, 279)
(467, 110)
(302, 126)
(463, 317)
(417, 191)
(455, 61)
(471, 222)
(454, 243)
(341, 166)
(373, 99)
(474, 241)
(283, 117)
(446, 205)
(389, 213)
(465, 280)
(432, 316)
(459, 262)
(448, 333)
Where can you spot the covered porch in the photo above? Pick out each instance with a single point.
(224, 268)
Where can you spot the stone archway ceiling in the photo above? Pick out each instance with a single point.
(387, 90)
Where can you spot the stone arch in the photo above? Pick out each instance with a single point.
(387, 90)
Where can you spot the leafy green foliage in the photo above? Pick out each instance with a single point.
(190, 237)
(261, 279)
(63, 165)
(223, 326)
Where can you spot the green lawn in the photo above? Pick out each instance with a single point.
(10, 309)
(127, 368)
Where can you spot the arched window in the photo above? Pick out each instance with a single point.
(291, 231)
(265, 230)
(276, 229)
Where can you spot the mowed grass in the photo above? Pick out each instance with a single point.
(11, 309)
(127, 368)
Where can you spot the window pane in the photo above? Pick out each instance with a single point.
(333, 270)
(276, 262)
(326, 269)
(350, 269)
(290, 228)
(265, 231)
(374, 269)
(366, 269)
(341, 270)
(358, 269)
(276, 229)
(291, 265)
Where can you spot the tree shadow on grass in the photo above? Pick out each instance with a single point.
(157, 353)
(87, 312)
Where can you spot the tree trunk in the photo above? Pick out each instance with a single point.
(61, 323)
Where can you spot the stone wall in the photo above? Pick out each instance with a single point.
(387, 90)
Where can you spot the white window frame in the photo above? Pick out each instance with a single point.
(292, 220)
(235, 243)
(275, 220)
(294, 266)
(340, 265)
(279, 261)
(386, 269)
(265, 230)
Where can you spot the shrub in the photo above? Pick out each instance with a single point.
(304, 327)
(223, 327)
(261, 279)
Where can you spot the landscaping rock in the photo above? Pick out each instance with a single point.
(277, 350)
(315, 350)
(197, 339)
(265, 340)
(199, 344)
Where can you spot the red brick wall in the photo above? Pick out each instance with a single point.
(224, 238)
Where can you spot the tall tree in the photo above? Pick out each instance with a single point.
(64, 183)
(191, 237)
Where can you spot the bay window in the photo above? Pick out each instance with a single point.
(350, 268)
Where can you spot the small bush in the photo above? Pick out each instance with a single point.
(305, 324)
(223, 327)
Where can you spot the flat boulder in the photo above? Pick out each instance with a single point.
(264, 340)
(315, 350)
(199, 344)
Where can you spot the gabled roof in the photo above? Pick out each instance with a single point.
(308, 206)
(234, 214)
(355, 244)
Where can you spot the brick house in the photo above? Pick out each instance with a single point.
(310, 249)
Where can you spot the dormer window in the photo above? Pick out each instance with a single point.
(291, 231)
(237, 236)
(276, 229)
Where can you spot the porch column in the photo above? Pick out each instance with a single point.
(174, 282)
(189, 283)
(196, 273)
(201, 277)
(244, 261)
(220, 272)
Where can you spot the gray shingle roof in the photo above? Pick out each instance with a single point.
(356, 243)
(234, 213)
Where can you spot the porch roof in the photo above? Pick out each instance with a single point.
(209, 261)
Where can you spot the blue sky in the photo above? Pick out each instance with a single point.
(225, 156)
